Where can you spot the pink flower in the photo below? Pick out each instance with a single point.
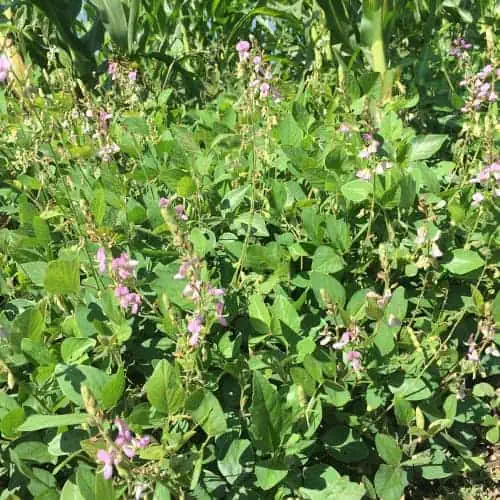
(344, 128)
(257, 60)
(132, 76)
(264, 89)
(181, 212)
(108, 458)
(141, 442)
(364, 154)
(477, 199)
(183, 269)
(364, 174)
(215, 292)
(124, 433)
(128, 300)
(4, 67)
(163, 203)
(101, 259)
(112, 69)
(354, 358)
(194, 327)
(344, 340)
(123, 266)
(192, 290)
(219, 312)
(104, 117)
(243, 46)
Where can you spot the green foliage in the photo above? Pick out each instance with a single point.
(292, 296)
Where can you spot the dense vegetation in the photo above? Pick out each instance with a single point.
(249, 251)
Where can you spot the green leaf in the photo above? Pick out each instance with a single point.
(207, 412)
(112, 391)
(164, 388)
(464, 261)
(38, 422)
(114, 20)
(483, 390)
(70, 379)
(63, 277)
(403, 410)
(289, 131)
(334, 291)
(71, 491)
(390, 482)
(232, 457)
(388, 449)
(327, 261)
(186, 186)
(322, 482)
(265, 414)
(11, 422)
(42, 231)
(234, 198)
(424, 146)
(98, 205)
(259, 314)
(104, 488)
(345, 445)
(357, 191)
(270, 473)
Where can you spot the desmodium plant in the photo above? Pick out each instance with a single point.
(289, 290)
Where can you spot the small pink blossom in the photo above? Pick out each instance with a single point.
(192, 290)
(257, 60)
(4, 67)
(344, 128)
(195, 326)
(477, 199)
(108, 458)
(265, 88)
(492, 351)
(219, 312)
(215, 292)
(364, 174)
(163, 203)
(132, 76)
(124, 266)
(344, 340)
(354, 358)
(112, 69)
(243, 46)
(181, 212)
(101, 259)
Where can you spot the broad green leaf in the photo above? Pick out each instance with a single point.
(11, 422)
(71, 378)
(207, 412)
(289, 131)
(112, 390)
(259, 314)
(164, 388)
(344, 445)
(323, 284)
(327, 261)
(37, 422)
(71, 491)
(425, 146)
(98, 205)
(42, 231)
(388, 449)
(63, 277)
(464, 261)
(390, 482)
(233, 456)
(357, 191)
(322, 482)
(270, 473)
(265, 414)
(114, 20)
(234, 198)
